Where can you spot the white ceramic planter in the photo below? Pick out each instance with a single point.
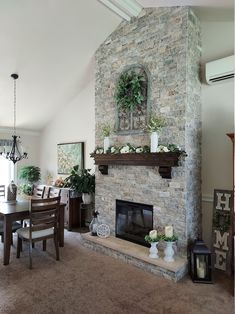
(169, 252)
(153, 251)
(106, 144)
(87, 198)
(154, 142)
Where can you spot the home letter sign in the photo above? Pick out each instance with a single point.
(222, 229)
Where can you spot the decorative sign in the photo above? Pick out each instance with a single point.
(222, 229)
(70, 155)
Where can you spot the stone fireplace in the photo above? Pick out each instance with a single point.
(166, 42)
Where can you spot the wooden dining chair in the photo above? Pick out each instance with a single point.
(15, 226)
(2, 191)
(43, 225)
(38, 191)
(53, 192)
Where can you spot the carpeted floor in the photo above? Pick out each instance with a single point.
(86, 282)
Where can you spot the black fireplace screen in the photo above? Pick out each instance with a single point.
(133, 221)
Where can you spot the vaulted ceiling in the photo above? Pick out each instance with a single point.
(51, 45)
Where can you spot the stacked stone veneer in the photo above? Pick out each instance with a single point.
(166, 42)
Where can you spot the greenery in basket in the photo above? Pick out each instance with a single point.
(170, 239)
(128, 148)
(29, 175)
(81, 180)
(155, 124)
(130, 91)
(153, 236)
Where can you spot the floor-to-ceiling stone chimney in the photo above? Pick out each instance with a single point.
(166, 42)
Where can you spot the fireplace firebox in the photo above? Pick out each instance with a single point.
(133, 221)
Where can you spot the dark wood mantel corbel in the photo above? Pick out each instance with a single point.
(165, 161)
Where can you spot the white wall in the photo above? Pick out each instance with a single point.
(75, 122)
(217, 120)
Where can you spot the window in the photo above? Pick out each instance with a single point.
(6, 171)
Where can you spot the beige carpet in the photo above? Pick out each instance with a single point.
(87, 282)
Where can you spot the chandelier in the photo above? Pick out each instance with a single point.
(16, 152)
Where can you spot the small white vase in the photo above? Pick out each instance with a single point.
(153, 251)
(106, 144)
(87, 198)
(154, 142)
(169, 252)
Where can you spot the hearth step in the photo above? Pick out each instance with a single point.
(137, 255)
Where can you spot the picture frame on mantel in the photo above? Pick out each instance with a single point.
(68, 156)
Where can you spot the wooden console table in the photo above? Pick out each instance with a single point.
(72, 209)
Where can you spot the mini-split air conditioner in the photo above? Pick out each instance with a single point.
(220, 70)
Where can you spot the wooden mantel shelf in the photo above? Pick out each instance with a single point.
(162, 160)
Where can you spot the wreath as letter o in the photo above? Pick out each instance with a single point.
(130, 91)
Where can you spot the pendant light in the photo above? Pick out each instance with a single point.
(16, 153)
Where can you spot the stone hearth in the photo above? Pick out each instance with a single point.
(136, 255)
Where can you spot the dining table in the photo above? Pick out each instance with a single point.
(19, 210)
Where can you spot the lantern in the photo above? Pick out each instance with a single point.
(200, 263)
(94, 223)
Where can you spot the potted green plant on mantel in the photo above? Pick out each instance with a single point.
(106, 131)
(82, 182)
(29, 175)
(154, 126)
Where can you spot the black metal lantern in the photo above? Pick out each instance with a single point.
(200, 262)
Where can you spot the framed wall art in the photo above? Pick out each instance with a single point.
(69, 155)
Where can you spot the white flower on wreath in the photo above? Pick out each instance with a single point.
(125, 149)
(113, 150)
(99, 151)
(162, 149)
(139, 150)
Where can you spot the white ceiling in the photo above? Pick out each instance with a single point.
(51, 44)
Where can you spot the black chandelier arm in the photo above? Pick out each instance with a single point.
(15, 154)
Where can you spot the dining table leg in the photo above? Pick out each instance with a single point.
(7, 239)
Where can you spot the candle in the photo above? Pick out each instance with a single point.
(201, 272)
(201, 267)
(169, 231)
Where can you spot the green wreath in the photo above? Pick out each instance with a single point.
(130, 91)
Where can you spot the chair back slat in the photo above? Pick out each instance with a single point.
(53, 192)
(2, 190)
(44, 214)
(38, 191)
(44, 219)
